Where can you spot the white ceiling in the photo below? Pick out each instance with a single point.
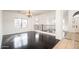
(34, 12)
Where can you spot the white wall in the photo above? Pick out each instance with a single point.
(0, 22)
(65, 19)
(0, 28)
(9, 26)
(47, 18)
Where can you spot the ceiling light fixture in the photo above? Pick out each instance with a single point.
(29, 13)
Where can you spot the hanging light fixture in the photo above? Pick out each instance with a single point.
(29, 13)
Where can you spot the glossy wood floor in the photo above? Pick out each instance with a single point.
(29, 40)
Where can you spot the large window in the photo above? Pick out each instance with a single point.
(20, 23)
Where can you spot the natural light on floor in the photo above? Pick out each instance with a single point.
(20, 40)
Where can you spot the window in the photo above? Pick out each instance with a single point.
(24, 23)
(20, 23)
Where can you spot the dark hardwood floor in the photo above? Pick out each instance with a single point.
(28, 40)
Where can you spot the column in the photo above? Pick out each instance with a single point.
(0, 28)
(59, 24)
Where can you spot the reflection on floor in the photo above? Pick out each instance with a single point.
(29, 40)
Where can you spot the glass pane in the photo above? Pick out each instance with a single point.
(18, 23)
(24, 23)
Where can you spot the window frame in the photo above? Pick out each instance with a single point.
(20, 25)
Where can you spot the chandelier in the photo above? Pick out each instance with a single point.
(29, 13)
